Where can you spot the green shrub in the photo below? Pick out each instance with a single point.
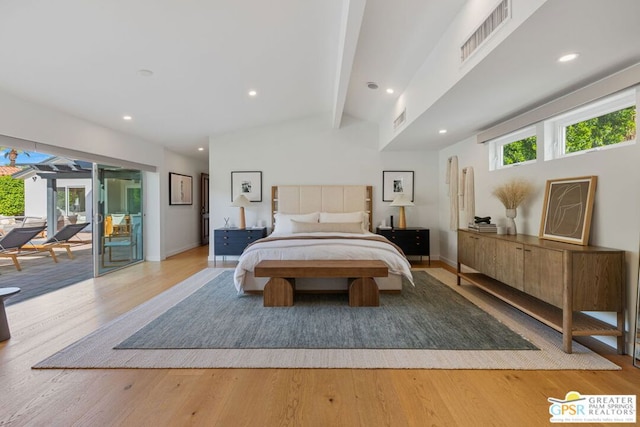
(11, 196)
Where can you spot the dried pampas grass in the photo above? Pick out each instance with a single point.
(512, 193)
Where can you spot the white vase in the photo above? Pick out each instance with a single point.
(511, 224)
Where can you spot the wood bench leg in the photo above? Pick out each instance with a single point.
(278, 292)
(363, 292)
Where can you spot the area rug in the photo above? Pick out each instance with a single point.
(428, 315)
(97, 349)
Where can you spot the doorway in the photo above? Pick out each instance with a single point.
(118, 220)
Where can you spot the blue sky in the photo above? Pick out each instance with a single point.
(23, 158)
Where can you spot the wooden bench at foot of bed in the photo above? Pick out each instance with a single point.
(279, 290)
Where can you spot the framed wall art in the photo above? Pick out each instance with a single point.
(568, 204)
(395, 183)
(180, 189)
(247, 183)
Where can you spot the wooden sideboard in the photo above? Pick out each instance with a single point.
(551, 281)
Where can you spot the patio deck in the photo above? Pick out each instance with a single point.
(41, 275)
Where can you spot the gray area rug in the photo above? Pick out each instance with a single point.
(96, 350)
(427, 316)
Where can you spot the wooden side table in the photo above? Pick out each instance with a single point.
(4, 324)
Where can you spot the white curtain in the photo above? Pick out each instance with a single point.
(452, 181)
(467, 192)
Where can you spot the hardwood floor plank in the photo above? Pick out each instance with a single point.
(248, 397)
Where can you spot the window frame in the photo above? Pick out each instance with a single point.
(555, 134)
(496, 150)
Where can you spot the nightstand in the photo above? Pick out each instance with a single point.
(232, 241)
(412, 241)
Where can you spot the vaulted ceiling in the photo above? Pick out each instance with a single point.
(183, 69)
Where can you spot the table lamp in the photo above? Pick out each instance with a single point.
(401, 201)
(241, 202)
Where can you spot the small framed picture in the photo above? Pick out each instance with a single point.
(395, 183)
(247, 183)
(180, 189)
(568, 204)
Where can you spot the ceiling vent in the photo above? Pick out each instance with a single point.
(402, 117)
(490, 25)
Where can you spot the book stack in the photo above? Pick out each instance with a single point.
(483, 227)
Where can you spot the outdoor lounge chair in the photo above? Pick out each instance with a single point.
(62, 239)
(11, 244)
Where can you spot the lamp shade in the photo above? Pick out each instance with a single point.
(402, 200)
(241, 201)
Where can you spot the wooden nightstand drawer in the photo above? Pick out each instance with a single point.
(412, 241)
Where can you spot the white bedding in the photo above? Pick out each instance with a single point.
(307, 246)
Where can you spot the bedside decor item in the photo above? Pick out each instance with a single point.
(248, 184)
(401, 201)
(241, 202)
(180, 189)
(568, 204)
(512, 194)
(395, 183)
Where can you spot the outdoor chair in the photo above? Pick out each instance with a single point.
(11, 244)
(122, 241)
(62, 239)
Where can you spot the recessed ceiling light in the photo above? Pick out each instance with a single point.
(252, 93)
(390, 91)
(372, 85)
(442, 131)
(127, 118)
(200, 149)
(145, 73)
(568, 57)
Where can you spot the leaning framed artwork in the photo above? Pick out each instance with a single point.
(568, 205)
(395, 183)
(247, 183)
(180, 189)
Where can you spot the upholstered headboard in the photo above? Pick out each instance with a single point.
(301, 199)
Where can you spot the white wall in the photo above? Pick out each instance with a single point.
(309, 151)
(616, 215)
(441, 69)
(32, 122)
(181, 222)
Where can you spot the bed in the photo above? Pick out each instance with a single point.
(322, 222)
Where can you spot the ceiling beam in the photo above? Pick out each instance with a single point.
(352, 15)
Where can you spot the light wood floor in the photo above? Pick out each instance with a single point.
(250, 397)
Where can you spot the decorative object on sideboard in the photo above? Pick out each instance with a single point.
(241, 202)
(512, 194)
(568, 204)
(401, 201)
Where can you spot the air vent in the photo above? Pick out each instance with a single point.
(498, 17)
(400, 119)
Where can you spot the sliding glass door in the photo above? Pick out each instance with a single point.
(117, 231)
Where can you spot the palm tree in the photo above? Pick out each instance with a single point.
(12, 154)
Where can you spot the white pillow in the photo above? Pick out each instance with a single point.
(327, 227)
(359, 216)
(283, 221)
